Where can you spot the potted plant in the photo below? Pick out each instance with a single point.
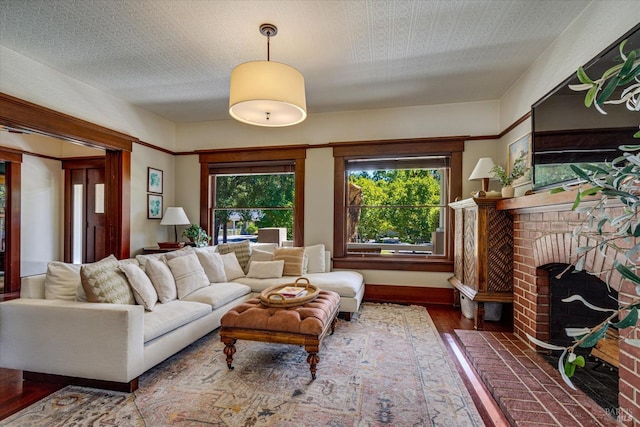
(506, 179)
(197, 235)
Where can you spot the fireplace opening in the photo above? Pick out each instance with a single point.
(599, 378)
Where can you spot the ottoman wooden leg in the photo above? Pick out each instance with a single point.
(229, 350)
(312, 360)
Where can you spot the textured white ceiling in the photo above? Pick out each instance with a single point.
(174, 57)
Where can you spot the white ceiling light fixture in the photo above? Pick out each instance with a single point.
(265, 93)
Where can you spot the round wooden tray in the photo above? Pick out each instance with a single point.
(271, 298)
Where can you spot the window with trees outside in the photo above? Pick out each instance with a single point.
(246, 202)
(246, 189)
(393, 205)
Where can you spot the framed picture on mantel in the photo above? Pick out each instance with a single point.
(520, 148)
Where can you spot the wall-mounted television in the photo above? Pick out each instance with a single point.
(566, 132)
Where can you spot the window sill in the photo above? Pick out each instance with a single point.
(393, 262)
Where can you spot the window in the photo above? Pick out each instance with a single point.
(247, 189)
(391, 203)
(246, 202)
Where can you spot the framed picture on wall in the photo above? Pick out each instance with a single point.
(154, 180)
(154, 206)
(520, 148)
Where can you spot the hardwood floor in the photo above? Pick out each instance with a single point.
(16, 394)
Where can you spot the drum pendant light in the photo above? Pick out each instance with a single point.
(265, 93)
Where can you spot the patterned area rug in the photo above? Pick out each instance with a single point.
(387, 366)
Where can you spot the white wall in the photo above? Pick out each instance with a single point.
(41, 214)
(147, 232)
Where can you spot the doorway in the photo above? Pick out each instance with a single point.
(85, 234)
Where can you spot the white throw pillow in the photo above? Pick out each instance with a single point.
(259, 255)
(188, 274)
(232, 267)
(266, 269)
(316, 260)
(62, 281)
(143, 290)
(162, 279)
(212, 264)
(142, 259)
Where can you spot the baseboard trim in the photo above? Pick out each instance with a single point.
(83, 382)
(408, 295)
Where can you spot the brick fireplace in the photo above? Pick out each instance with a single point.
(542, 236)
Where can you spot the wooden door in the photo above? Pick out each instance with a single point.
(85, 211)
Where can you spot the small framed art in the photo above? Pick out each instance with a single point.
(521, 148)
(154, 206)
(154, 180)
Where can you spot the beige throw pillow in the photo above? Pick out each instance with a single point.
(266, 269)
(232, 267)
(259, 255)
(212, 264)
(104, 282)
(293, 260)
(143, 291)
(162, 280)
(62, 281)
(188, 274)
(241, 249)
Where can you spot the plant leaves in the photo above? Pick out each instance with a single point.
(573, 298)
(564, 376)
(576, 332)
(632, 341)
(569, 369)
(579, 361)
(626, 272)
(583, 77)
(594, 337)
(608, 90)
(543, 344)
(630, 320)
(590, 96)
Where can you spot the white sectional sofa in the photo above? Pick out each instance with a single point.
(53, 336)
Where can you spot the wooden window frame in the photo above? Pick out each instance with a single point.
(342, 152)
(246, 157)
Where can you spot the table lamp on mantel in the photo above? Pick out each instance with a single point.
(174, 216)
(483, 171)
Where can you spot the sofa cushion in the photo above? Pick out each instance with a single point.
(212, 264)
(266, 269)
(232, 268)
(219, 294)
(293, 260)
(188, 274)
(162, 279)
(61, 281)
(172, 315)
(143, 291)
(241, 249)
(142, 259)
(104, 282)
(316, 258)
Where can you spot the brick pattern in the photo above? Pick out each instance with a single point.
(528, 390)
(545, 237)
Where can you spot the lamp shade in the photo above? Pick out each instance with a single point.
(483, 171)
(174, 216)
(267, 93)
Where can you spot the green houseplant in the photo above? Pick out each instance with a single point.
(617, 181)
(506, 179)
(197, 235)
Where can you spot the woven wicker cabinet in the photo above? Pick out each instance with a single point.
(483, 254)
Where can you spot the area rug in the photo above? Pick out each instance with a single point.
(387, 366)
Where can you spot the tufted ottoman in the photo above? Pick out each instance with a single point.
(302, 325)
